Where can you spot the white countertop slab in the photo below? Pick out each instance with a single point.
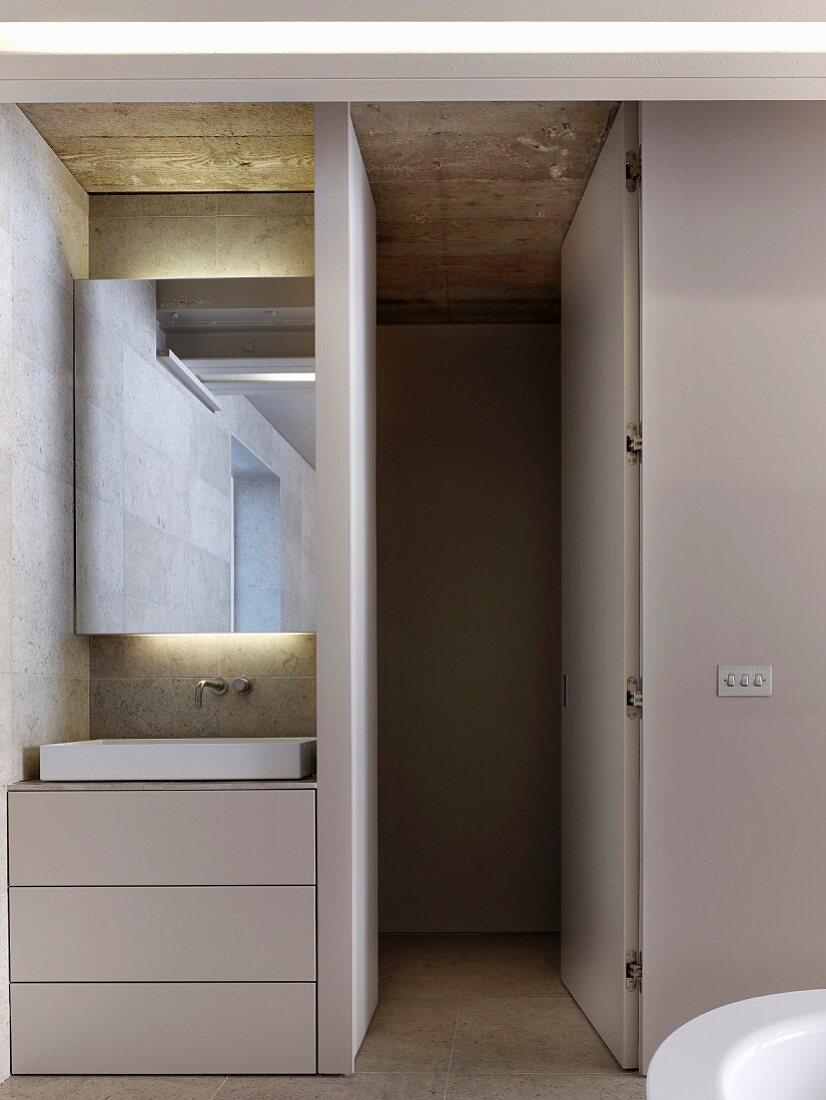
(39, 785)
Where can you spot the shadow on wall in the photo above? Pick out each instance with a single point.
(469, 627)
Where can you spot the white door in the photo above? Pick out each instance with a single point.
(600, 563)
(733, 272)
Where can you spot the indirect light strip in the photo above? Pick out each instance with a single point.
(413, 38)
(287, 376)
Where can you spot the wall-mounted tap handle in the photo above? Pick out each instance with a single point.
(242, 685)
(217, 683)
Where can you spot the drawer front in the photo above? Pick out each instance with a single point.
(152, 1028)
(147, 838)
(162, 934)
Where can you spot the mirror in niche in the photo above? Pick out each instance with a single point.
(194, 455)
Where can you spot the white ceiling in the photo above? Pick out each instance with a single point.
(58, 80)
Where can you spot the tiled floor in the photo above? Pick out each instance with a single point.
(461, 1018)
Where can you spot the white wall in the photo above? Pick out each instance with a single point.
(44, 668)
(734, 553)
(345, 487)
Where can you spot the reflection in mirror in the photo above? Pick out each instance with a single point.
(195, 456)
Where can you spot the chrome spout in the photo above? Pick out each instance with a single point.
(217, 683)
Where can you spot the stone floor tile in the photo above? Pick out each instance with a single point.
(110, 1088)
(512, 966)
(361, 1086)
(522, 1035)
(409, 1035)
(543, 1086)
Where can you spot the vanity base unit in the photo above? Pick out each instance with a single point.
(159, 929)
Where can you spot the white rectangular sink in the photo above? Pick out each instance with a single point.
(171, 758)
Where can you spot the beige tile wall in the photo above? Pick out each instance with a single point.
(144, 685)
(181, 236)
(43, 666)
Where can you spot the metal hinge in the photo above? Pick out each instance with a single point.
(633, 971)
(633, 170)
(633, 697)
(633, 444)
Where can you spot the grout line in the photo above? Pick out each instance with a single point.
(219, 1088)
(452, 1049)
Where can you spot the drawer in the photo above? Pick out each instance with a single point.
(163, 1028)
(154, 838)
(166, 933)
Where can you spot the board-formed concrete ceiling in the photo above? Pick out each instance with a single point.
(473, 201)
(159, 147)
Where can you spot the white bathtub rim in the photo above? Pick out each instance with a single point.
(699, 1059)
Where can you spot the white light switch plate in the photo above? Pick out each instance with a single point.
(744, 680)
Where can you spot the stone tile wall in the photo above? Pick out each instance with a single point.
(144, 686)
(258, 559)
(182, 236)
(44, 667)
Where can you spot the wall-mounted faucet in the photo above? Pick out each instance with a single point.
(217, 683)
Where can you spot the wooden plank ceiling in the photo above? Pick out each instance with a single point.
(159, 147)
(473, 201)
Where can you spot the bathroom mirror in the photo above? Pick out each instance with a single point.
(194, 456)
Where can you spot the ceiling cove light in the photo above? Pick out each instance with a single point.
(340, 37)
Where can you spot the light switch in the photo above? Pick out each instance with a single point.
(744, 680)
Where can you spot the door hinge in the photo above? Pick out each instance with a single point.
(633, 444)
(633, 170)
(633, 697)
(633, 971)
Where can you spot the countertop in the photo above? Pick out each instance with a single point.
(178, 785)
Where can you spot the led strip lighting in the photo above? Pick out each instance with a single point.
(344, 37)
